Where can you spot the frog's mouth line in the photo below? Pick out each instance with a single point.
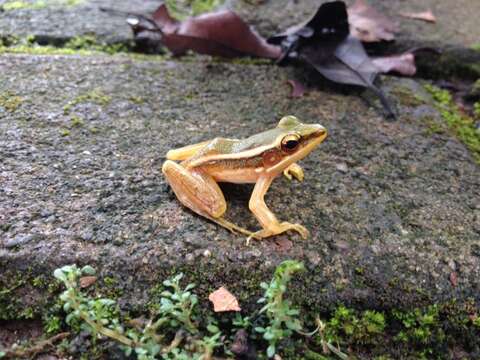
(309, 143)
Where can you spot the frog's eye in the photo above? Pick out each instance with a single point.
(290, 143)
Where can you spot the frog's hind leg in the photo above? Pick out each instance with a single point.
(200, 193)
(186, 152)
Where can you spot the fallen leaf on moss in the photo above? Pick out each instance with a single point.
(349, 64)
(325, 30)
(403, 64)
(368, 24)
(221, 33)
(223, 300)
(424, 16)
(87, 281)
(453, 279)
(298, 89)
(324, 43)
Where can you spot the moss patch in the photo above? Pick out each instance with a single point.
(407, 97)
(461, 124)
(38, 4)
(10, 102)
(95, 96)
(181, 9)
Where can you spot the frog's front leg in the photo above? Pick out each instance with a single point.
(200, 193)
(294, 170)
(271, 226)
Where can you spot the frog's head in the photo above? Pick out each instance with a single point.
(293, 142)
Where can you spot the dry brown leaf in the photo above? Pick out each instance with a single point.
(423, 15)
(221, 33)
(87, 281)
(453, 279)
(223, 300)
(298, 89)
(403, 64)
(369, 25)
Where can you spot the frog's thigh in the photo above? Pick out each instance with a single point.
(196, 190)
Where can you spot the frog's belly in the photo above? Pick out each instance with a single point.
(236, 176)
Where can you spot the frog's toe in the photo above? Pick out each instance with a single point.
(294, 171)
(304, 233)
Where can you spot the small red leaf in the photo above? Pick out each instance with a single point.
(87, 281)
(223, 300)
(403, 64)
(453, 279)
(424, 16)
(369, 25)
(298, 89)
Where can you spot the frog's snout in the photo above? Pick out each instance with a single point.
(320, 132)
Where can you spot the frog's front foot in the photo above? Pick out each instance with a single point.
(279, 229)
(294, 171)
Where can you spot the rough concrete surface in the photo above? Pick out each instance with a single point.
(393, 207)
(86, 186)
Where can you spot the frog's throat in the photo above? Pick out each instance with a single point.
(316, 139)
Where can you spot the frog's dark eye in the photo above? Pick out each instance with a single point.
(290, 143)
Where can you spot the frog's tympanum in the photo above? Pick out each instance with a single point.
(258, 159)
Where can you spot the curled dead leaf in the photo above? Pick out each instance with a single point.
(87, 281)
(223, 300)
(221, 33)
(368, 24)
(423, 15)
(453, 279)
(403, 64)
(298, 89)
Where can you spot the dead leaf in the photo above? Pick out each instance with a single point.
(423, 15)
(283, 244)
(325, 30)
(368, 24)
(298, 89)
(324, 43)
(403, 64)
(349, 64)
(87, 281)
(453, 279)
(223, 300)
(221, 33)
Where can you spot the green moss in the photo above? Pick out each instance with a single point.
(462, 125)
(137, 100)
(38, 4)
(64, 132)
(181, 9)
(407, 97)
(79, 45)
(41, 50)
(95, 96)
(91, 43)
(433, 126)
(348, 327)
(476, 110)
(10, 102)
(76, 121)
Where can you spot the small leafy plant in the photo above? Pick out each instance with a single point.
(175, 329)
(174, 320)
(282, 317)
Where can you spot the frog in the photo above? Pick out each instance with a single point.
(195, 171)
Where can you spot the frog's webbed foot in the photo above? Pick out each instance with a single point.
(294, 171)
(233, 227)
(279, 229)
